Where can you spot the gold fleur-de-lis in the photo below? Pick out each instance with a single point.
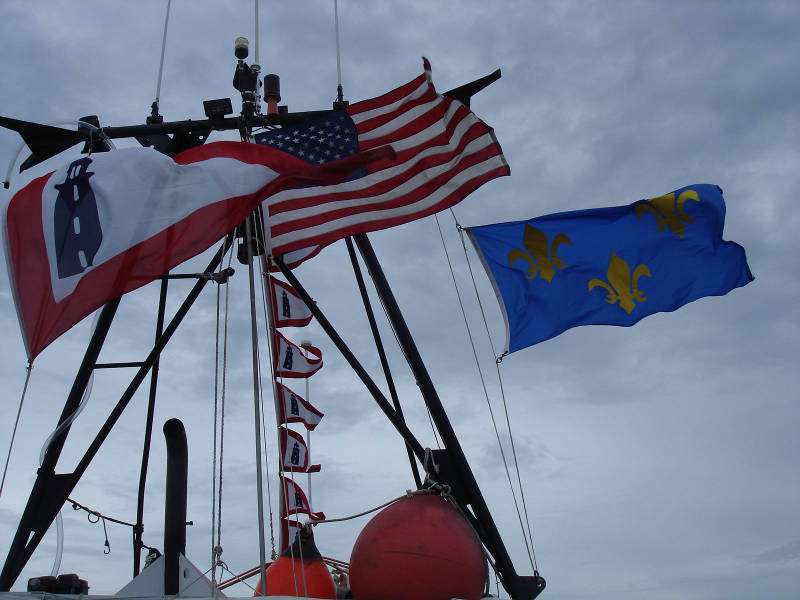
(668, 211)
(536, 243)
(623, 288)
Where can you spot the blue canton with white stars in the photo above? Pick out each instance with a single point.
(322, 140)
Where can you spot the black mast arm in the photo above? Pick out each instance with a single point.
(463, 93)
(453, 468)
(45, 141)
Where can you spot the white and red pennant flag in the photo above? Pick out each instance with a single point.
(294, 409)
(295, 452)
(109, 223)
(289, 530)
(288, 309)
(294, 501)
(444, 152)
(290, 360)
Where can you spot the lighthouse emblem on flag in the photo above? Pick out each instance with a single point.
(287, 311)
(76, 223)
(287, 358)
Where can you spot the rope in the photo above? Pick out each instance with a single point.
(214, 449)
(436, 489)
(94, 516)
(98, 515)
(216, 491)
(161, 62)
(403, 351)
(485, 392)
(28, 370)
(502, 395)
(266, 306)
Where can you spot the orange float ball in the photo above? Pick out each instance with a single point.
(421, 548)
(290, 575)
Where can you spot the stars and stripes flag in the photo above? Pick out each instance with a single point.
(444, 152)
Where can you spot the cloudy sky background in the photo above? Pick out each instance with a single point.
(658, 461)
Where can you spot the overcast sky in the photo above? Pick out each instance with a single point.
(658, 461)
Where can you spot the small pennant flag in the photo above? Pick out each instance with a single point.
(289, 530)
(291, 361)
(288, 309)
(294, 409)
(294, 501)
(295, 453)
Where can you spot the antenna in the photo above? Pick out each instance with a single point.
(340, 102)
(154, 116)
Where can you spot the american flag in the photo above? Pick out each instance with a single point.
(443, 153)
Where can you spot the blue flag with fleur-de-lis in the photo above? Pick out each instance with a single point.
(609, 266)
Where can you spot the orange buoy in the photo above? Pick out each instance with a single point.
(420, 547)
(291, 575)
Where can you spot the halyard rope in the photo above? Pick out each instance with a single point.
(216, 492)
(485, 392)
(28, 370)
(532, 552)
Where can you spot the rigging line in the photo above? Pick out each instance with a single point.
(216, 520)
(28, 370)
(214, 543)
(273, 350)
(403, 351)
(266, 459)
(485, 392)
(98, 515)
(161, 62)
(266, 303)
(502, 392)
(249, 236)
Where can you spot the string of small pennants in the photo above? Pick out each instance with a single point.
(293, 362)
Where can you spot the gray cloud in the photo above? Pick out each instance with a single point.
(657, 460)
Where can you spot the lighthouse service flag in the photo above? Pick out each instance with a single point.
(609, 266)
(294, 409)
(294, 501)
(288, 309)
(291, 360)
(109, 223)
(295, 452)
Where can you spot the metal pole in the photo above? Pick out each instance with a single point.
(148, 434)
(381, 352)
(51, 490)
(262, 553)
(348, 355)
(454, 468)
(23, 545)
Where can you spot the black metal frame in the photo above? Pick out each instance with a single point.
(50, 490)
(449, 465)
